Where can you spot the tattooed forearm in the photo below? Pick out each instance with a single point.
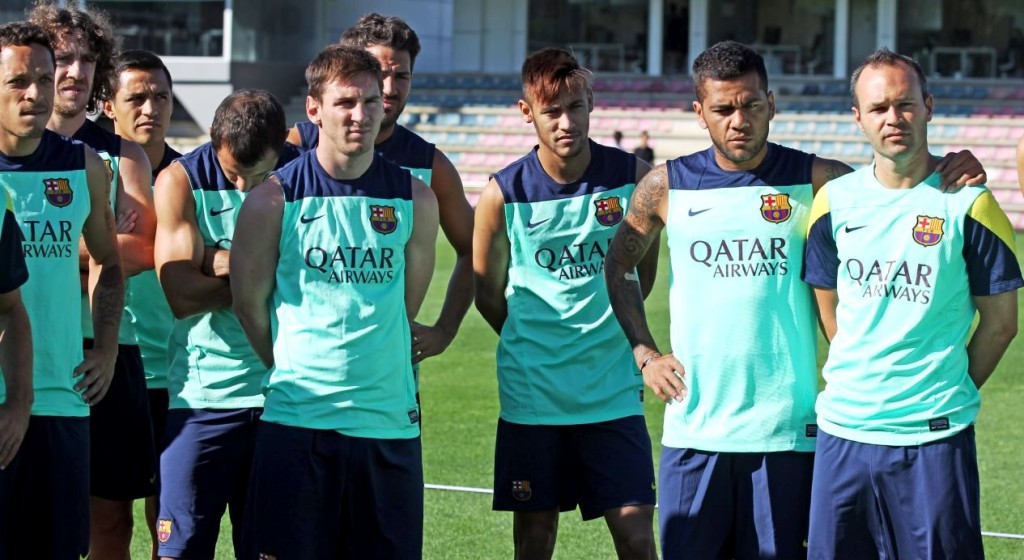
(641, 227)
(107, 304)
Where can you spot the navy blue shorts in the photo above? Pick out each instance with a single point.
(734, 505)
(598, 467)
(44, 492)
(879, 501)
(204, 469)
(123, 455)
(318, 494)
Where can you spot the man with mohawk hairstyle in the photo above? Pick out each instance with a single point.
(572, 430)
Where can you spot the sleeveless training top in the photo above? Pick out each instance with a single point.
(742, 321)
(562, 357)
(905, 264)
(341, 335)
(50, 196)
(211, 364)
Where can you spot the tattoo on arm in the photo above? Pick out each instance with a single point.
(835, 170)
(108, 298)
(634, 236)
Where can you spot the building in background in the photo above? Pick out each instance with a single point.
(215, 46)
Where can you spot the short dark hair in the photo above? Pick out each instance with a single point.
(60, 23)
(140, 60)
(340, 62)
(248, 123)
(727, 60)
(386, 31)
(885, 57)
(547, 71)
(24, 34)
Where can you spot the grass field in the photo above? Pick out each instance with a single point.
(460, 410)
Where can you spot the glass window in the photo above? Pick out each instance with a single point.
(793, 36)
(963, 38)
(179, 28)
(275, 31)
(606, 35)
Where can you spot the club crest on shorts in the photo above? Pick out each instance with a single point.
(928, 230)
(265, 556)
(58, 192)
(163, 530)
(775, 207)
(609, 211)
(521, 490)
(383, 219)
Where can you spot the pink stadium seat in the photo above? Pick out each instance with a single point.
(510, 140)
(509, 121)
(1005, 196)
(996, 132)
(1005, 153)
(472, 159)
(1000, 93)
(974, 131)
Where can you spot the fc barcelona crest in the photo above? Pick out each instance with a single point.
(383, 220)
(609, 211)
(521, 490)
(775, 207)
(163, 530)
(58, 192)
(928, 230)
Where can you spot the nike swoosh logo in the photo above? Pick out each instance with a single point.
(693, 212)
(531, 225)
(221, 211)
(853, 229)
(306, 220)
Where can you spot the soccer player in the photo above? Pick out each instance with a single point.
(123, 457)
(59, 192)
(334, 254)
(899, 269)
(140, 109)
(395, 45)
(571, 430)
(736, 462)
(213, 375)
(15, 338)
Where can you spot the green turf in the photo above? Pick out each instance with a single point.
(460, 409)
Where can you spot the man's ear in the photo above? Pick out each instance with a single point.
(526, 111)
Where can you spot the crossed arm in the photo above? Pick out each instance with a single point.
(179, 252)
